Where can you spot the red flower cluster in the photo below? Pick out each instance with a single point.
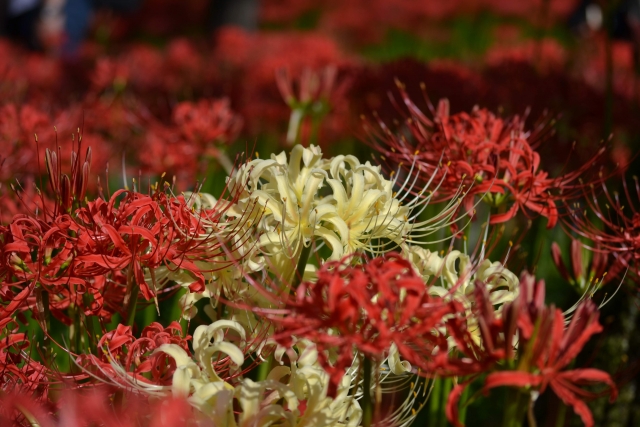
(95, 256)
(582, 273)
(18, 372)
(137, 356)
(537, 334)
(195, 136)
(369, 307)
(482, 154)
(95, 407)
(249, 63)
(617, 230)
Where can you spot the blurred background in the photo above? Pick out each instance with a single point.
(184, 87)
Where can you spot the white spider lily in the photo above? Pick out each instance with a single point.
(275, 400)
(457, 273)
(340, 202)
(189, 375)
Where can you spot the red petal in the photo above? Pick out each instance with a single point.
(516, 379)
(452, 404)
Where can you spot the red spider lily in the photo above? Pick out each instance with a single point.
(185, 66)
(17, 128)
(109, 73)
(198, 133)
(207, 122)
(491, 157)
(620, 230)
(103, 250)
(315, 90)
(96, 407)
(25, 129)
(137, 356)
(312, 86)
(544, 349)
(23, 198)
(582, 274)
(18, 373)
(495, 343)
(368, 307)
(167, 152)
(249, 61)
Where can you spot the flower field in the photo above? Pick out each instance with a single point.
(357, 213)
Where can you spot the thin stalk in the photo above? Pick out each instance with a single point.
(131, 307)
(75, 333)
(131, 297)
(367, 404)
(264, 368)
(295, 125)
(434, 404)
(33, 421)
(225, 162)
(42, 304)
(462, 414)
(530, 415)
(93, 327)
(447, 384)
(316, 121)
(302, 263)
(562, 413)
(517, 404)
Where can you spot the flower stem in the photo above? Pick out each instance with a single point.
(302, 264)
(75, 332)
(225, 162)
(517, 404)
(93, 327)
(131, 297)
(562, 413)
(447, 384)
(265, 368)
(462, 414)
(42, 304)
(367, 403)
(434, 404)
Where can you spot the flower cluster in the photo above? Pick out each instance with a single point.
(494, 158)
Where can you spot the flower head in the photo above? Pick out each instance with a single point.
(368, 308)
(530, 348)
(491, 157)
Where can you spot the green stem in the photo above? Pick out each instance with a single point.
(302, 264)
(264, 368)
(530, 415)
(131, 297)
(75, 333)
(447, 384)
(42, 303)
(316, 121)
(462, 413)
(93, 327)
(367, 404)
(131, 307)
(295, 125)
(562, 413)
(517, 404)
(225, 162)
(434, 404)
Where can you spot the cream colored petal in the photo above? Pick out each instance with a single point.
(396, 365)
(332, 240)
